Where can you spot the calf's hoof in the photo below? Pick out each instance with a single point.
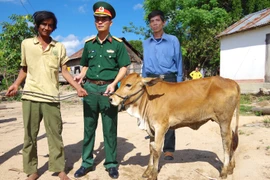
(145, 176)
(224, 172)
(147, 172)
(152, 178)
(223, 175)
(150, 175)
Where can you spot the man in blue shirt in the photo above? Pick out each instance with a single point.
(162, 58)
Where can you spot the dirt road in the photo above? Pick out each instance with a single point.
(198, 153)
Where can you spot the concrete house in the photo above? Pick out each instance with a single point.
(245, 51)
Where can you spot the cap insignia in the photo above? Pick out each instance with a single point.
(101, 9)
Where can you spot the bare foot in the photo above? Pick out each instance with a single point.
(63, 176)
(32, 176)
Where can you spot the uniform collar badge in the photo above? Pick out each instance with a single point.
(110, 39)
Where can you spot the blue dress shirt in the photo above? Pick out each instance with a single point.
(162, 57)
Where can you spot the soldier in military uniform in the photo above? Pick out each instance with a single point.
(104, 60)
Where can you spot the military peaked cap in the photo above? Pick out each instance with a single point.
(101, 8)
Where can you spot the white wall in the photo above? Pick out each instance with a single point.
(243, 55)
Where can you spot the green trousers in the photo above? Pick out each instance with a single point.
(93, 105)
(33, 113)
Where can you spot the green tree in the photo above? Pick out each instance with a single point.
(251, 6)
(243, 7)
(10, 42)
(136, 30)
(237, 10)
(137, 44)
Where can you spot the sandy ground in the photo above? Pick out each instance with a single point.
(198, 155)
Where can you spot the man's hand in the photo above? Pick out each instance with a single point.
(12, 90)
(78, 79)
(81, 92)
(110, 89)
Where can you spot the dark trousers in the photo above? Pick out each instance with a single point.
(169, 141)
(93, 105)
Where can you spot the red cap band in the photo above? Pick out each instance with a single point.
(102, 10)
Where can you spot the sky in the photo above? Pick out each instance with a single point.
(75, 18)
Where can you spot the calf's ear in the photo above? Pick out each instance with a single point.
(150, 81)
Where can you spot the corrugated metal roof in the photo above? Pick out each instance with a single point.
(77, 54)
(257, 19)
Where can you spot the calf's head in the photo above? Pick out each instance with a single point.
(131, 86)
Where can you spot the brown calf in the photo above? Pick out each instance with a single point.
(162, 105)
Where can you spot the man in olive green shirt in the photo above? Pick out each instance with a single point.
(104, 60)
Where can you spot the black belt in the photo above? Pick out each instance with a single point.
(99, 82)
(162, 76)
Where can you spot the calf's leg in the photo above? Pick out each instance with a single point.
(226, 136)
(155, 151)
(149, 168)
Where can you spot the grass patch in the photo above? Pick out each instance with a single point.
(252, 98)
(245, 104)
(258, 113)
(246, 99)
(263, 98)
(241, 132)
(247, 133)
(266, 122)
(245, 110)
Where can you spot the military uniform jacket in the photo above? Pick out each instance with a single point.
(104, 60)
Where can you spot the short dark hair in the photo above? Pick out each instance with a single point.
(40, 16)
(156, 13)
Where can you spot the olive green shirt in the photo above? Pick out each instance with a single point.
(42, 68)
(104, 59)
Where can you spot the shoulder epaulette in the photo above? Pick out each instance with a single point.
(90, 39)
(117, 39)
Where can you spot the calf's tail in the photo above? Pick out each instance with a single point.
(235, 138)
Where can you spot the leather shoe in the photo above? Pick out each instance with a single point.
(168, 156)
(82, 171)
(113, 172)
